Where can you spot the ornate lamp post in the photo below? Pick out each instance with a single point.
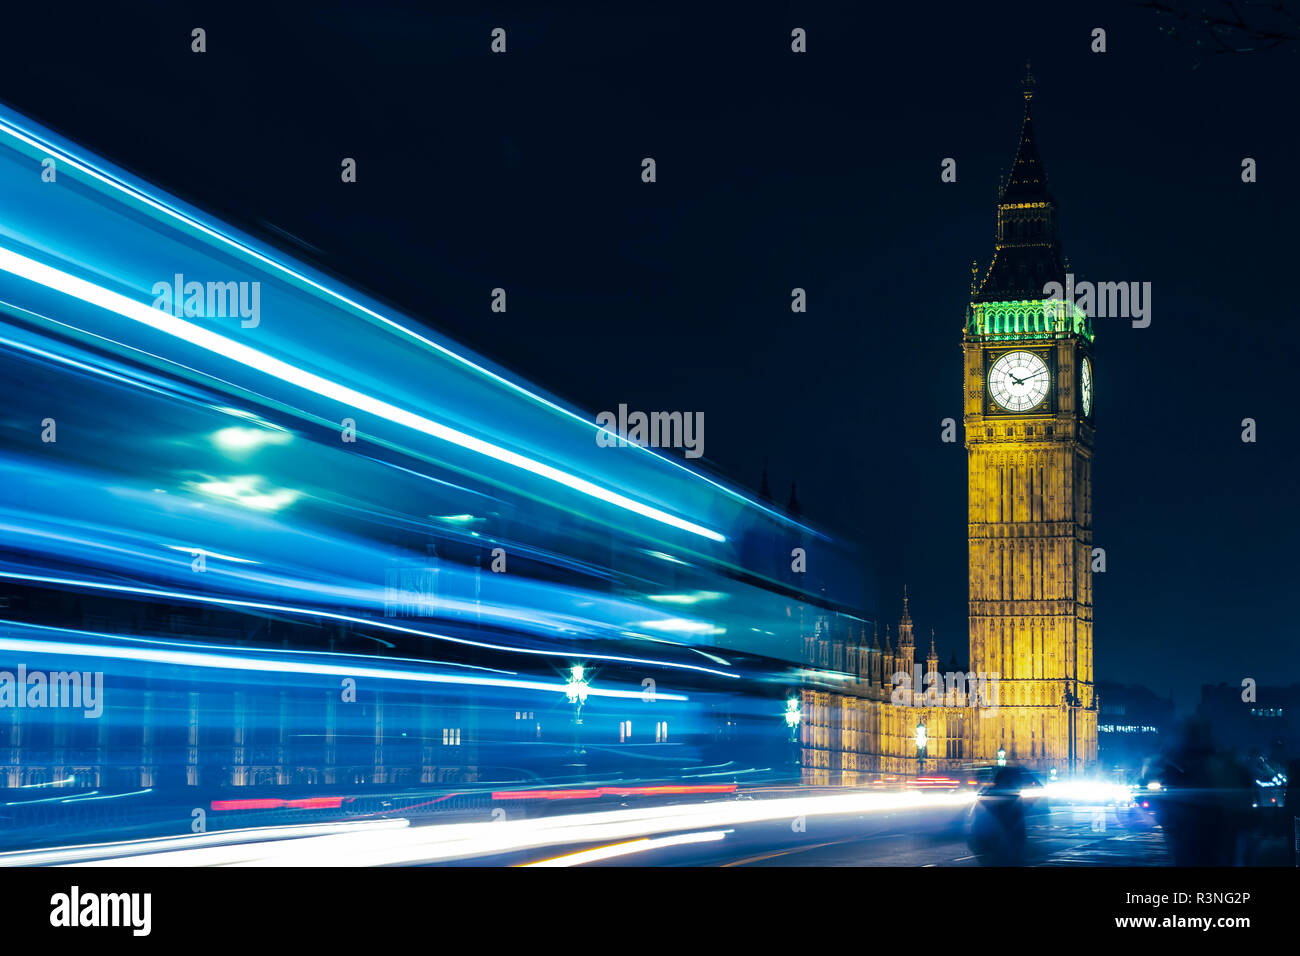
(576, 691)
(920, 747)
(793, 716)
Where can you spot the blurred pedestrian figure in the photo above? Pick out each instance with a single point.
(1204, 802)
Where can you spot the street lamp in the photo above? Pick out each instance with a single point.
(920, 746)
(1002, 757)
(576, 691)
(1072, 703)
(793, 717)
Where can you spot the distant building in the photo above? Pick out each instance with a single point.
(1268, 725)
(1133, 724)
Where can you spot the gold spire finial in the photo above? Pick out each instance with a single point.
(1029, 82)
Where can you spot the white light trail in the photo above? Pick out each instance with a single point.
(1081, 791)
(211, 554)
(50, 149)
(455, 841)
(91, 851)
(348, 618)
(236, 439)
(268, 666)
(632, 846)
(204, 338)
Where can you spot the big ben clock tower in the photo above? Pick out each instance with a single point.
(1029, 435)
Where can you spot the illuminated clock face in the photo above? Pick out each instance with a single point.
(1018, 381)
(1085, 386)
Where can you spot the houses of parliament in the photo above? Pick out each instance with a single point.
(1027, 695)
(868, 709)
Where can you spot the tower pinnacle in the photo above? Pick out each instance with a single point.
(905, 625)
(1027, 252)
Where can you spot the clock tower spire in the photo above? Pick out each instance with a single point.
(1027, 251)
(1029, 435)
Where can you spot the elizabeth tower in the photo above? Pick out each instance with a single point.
(1029, 436)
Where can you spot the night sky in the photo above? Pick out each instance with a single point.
(778, 170)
